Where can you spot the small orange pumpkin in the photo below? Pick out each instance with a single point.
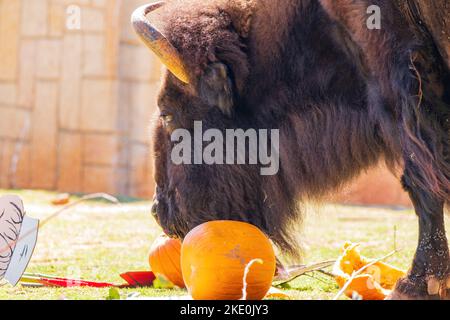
(374, 283)
(215, 256)
(164, 259)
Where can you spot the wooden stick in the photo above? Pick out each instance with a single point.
(295, 272)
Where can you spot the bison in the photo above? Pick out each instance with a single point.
(343, 94)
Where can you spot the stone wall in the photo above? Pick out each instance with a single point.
(76, 102)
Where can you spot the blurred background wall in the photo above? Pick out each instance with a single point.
(77, 98)
(75, 103)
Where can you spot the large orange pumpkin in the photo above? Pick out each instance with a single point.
(214, 258)
(164, 259)
(374, 283)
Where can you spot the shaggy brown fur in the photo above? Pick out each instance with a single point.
(344, 97)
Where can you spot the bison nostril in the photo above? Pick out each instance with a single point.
(154, 210)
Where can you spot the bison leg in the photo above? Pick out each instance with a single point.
(429, 277)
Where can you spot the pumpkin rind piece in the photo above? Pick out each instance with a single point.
(374, 283)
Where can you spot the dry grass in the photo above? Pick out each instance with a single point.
(98, 241)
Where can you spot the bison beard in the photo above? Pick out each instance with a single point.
(343, 97)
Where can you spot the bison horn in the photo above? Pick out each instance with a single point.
(157, 42)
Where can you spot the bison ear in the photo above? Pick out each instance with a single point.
(216, 87)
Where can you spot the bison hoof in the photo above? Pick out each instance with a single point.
(430, 289)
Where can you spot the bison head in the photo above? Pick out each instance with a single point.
(204, 49)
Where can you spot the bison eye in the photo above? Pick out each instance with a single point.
(166, 118)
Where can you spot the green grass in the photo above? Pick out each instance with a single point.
(99, 241)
